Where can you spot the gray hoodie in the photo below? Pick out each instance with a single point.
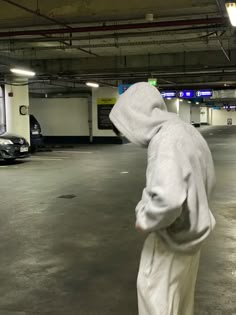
(180, 171)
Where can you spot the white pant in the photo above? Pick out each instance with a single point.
(166, 280)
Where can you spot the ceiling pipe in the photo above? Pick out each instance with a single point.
(221, 6)
(122, 44)
(117, 27)
(54, 21)
(227, 55)
(189, 29)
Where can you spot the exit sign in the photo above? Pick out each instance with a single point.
(152, 81)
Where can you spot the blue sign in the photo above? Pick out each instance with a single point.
(186, 94)
(123, 87)
(204, 93)
(168, 94)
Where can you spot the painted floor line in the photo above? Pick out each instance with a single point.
(83, 152)
(49, 157)
(43, 159)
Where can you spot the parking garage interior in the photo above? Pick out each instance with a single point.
(67, 225)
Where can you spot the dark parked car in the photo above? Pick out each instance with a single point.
(13, 147)
(196, 124)
(36, 137)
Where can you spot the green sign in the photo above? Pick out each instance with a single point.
(152, 82)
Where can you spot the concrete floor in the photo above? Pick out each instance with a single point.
(80, 254)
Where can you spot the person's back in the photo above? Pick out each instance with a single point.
(181, 145)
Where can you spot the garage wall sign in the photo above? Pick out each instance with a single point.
(24, 110)
(187, 94)
(104, 107)
(229, 121)
(152, 81)
(204, 93)
(122, 88)
(167, 94)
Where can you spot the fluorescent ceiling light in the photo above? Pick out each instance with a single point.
(231, 9)
(92, 84)
(23, 72)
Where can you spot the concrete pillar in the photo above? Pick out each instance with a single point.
(181, 107)
(2, 112)
(16, 105)
(209, 120)
(185, 110)
(172, 105)
(204, 115)
(195, 114)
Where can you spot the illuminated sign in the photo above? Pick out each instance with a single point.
(123, 87)
(152, 81)
(186, 94)
(204, 93)
(229, 107)
(168, 94)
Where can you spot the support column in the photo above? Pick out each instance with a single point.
(204, 115)
(2, 112)
(185, 110)
(16, 106)
(90, 118)
(195, 114)
(172, 105)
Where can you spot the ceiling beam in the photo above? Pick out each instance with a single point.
(116, 27)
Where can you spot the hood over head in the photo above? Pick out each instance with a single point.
(140, 112)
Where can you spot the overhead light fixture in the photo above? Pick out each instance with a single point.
(231, 9)
(169, 98)
(189, 102)
(92, 84)
(23, 72)
(180, 100)
(197, 103)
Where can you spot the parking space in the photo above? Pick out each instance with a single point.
(68, 243)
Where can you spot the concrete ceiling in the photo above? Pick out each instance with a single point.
(74, 11)
(188, 42)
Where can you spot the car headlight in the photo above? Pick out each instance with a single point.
(5, 141)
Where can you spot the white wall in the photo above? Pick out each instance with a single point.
(185, 111)
(102, 92)
(61, 116)
(195, 115)
(219, 117)
(204, 115)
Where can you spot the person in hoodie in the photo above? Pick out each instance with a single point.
(174, 207)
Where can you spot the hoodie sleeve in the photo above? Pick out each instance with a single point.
(165, 191)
